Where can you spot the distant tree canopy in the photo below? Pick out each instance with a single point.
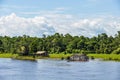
(59, 43)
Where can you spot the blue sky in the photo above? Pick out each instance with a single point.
(79, 7)
(59, 15)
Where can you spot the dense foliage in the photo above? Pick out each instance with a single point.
(59, 43)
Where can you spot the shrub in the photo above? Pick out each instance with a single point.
(117, 51)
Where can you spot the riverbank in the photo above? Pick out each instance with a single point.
(7, 55)
(24, 58)
(114, 57)
(18, 57)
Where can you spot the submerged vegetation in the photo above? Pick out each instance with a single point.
(101, 46)
(24, 58)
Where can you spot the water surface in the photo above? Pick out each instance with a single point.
(47, 69)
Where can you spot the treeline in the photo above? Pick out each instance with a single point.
(59, 43)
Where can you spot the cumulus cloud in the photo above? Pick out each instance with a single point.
(13, 25)
(85, 26)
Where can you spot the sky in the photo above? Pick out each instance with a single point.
(76, 17)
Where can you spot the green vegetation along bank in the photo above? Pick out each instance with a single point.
(7, 55)
(103, 46)
(113, 57)
(108, 57)
(59, 43)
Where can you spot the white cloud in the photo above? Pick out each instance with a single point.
(13, 25)
(87, 27)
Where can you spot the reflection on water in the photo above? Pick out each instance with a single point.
(58, 70)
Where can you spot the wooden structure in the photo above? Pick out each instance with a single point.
(78, 57)
(42, 53)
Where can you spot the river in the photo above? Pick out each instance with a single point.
(48, 69)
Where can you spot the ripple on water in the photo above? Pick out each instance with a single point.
(47, 69)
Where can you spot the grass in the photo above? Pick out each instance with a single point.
(16, 56)
(115, 57)
(7, 55)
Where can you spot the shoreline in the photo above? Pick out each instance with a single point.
(106, 57)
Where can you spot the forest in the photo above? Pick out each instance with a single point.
(59, 43)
